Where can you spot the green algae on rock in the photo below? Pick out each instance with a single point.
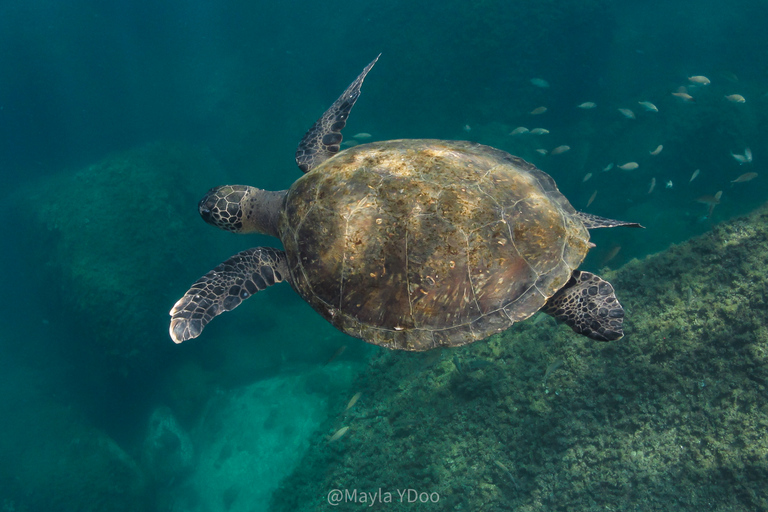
(672, 416)
(101, 240)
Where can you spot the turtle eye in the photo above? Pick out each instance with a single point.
(205, 207)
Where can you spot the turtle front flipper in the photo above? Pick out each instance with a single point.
(588, 305)
(224, 288)
(322, 141)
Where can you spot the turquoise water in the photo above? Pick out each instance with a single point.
(116, 117)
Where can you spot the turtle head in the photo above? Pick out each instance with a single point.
(242, 209)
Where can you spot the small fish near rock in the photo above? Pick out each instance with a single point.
(338, 434)
(699, 80)
(627, 113)
(687, 98)
(353, 400)
(592, 198)
(736, 98)
(648, 106)
(746, 158)
(694, 175)
(747, 176)
(711, 201)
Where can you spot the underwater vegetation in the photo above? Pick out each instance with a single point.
(673, 416)
(100, 241)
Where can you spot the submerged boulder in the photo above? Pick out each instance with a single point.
(168, 452)
(102, 246)
(54, 459)
(538, 419)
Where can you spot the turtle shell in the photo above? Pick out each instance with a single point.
(415, 244)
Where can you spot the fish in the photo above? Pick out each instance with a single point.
(362, 135)
(653, 185)
(611, 254)
(551, 368)
(500, 465)
(349, 143)
(467, 128)
(729, 76)
(586, 177)
(742, 159)
(338, 434)
(669, 184)
(542, 151)
(694, 175)
(353, 400)
(586, 105)
(748, 154)
(504, 468)
(560, 149)
(538, 110)
(736, 98)
(519, 130)
(647, 105)
(657, 150)
(608, 167)
(747, 176)
(627, 113)
(698, 79)
(336, 354)
(712, 201)
(540, 82)
(629, 166)
(591, 198)
(539, 131)
(684, 96)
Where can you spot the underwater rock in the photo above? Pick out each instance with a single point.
(168, 453)
(52, 458)
(672, 416)
(251, 437)
(101, 245)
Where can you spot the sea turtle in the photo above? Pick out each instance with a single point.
(408, 244)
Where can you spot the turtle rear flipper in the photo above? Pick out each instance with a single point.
(595, 221)
(322, 141)
(588, 305)
(224, 288)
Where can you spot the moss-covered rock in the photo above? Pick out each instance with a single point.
(104, 244)
(673, 416)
